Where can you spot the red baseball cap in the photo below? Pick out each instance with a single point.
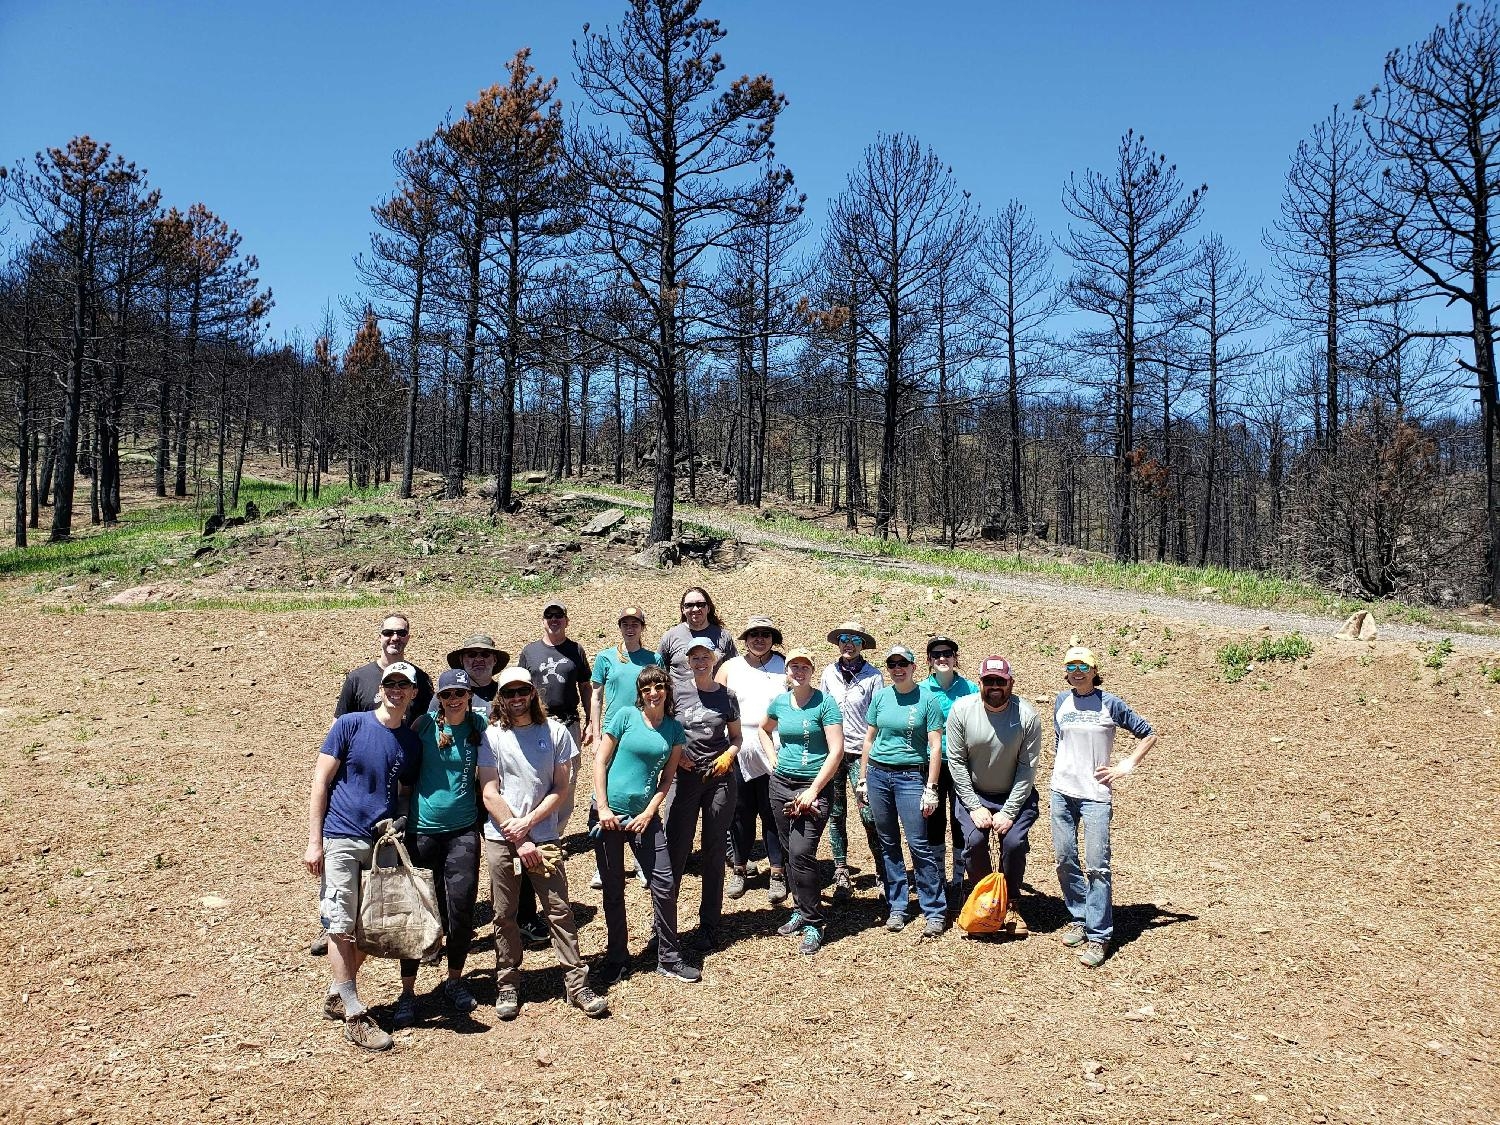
(995, 666)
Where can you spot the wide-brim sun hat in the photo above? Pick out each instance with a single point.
(852, 628)
(483, 642)
(758, 621)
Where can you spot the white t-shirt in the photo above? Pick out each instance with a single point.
(754, 688)
(526, 758)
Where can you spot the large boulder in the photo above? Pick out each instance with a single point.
(1359, 627)
(602, 523)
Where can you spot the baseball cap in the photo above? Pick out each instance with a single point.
(995, 666)
(400, 668)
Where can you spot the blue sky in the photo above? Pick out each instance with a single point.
(282, 117)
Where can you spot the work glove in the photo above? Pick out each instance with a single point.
(929, 800)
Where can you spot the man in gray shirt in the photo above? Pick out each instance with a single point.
(994, 745)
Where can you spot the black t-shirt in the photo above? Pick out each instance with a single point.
(557, 673)
(360, 686)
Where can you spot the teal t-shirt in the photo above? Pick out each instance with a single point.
(959, 688)
(804, 743)
(901, 725)
(640, 754)
(446, 798)
(617, 677)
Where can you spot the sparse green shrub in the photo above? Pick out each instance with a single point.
(1235, 660)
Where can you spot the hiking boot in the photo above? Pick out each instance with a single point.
(792, 925)
(507, 1003)
(933, 929)
(405, 1014)
(458, 998)
(896, 922)
(590, 1003)
(333, 1006)
(680, 971)
(319, 946)
(1092, 955)
(597, 882)
(843, 885)
(1015, 925)
(614, 972)
(366, 1034)
(734, 886)
(535, 932)
(704, 939)
(812, 940)
(1073, 934)
(776, 888)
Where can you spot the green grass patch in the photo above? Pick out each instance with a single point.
(1235, 660)
(1436, 655)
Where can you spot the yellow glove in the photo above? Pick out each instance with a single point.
(723, 762)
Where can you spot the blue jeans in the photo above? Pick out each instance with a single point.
(1086, 891)
(896, 803)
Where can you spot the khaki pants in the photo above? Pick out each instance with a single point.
(552, 893)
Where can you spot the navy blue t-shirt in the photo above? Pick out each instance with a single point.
(374, 762)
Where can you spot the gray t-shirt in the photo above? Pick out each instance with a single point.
(527, 758)
(705, 716)
(994, 753)
(673, 649)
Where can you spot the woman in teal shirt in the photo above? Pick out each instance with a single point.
(633, 769)
(616, 669)
(811, 731)
(443, 832)
(899, 765)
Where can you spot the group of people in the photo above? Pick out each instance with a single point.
(702, 745)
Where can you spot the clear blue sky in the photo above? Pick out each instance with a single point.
(282, 116)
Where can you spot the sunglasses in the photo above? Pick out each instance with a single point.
(1076, 667)
(398, 685)
(694, 605)
(851, 639)
(759, 635)
(895, 664)
(654, 689)
(452, 693)
(993, 681)
(394, 632)
(553, 615)
(515, 692)
(942, 654)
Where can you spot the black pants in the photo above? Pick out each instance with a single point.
(751, 806)
(653, 861)
(946, 820)
(714, 798)
(799, 841)
(1014, 845)
(453, 859)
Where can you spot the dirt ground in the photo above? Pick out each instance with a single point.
(1305, 888)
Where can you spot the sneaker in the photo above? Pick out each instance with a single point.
(704, 939)
(366, 1034)
(597, 882)
(405, 1014)
(1073, 934)
(680, 971)
(590, 1003)
(1092, 955)
(319, 946)
(933, 929)
(507, 1003)
(333, 1006)
(776, 888)
(812, 940)
(843, 885)
(734, 886)
(614, 972)
(535, 932)
(1015, 925)
(458, 998)
(792, 925)
(896, 922)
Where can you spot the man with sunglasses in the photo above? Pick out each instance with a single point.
(994, 744)
(362, 688)
(360, 782)
(362, 684)
(851, 681)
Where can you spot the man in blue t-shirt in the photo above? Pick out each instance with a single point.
(360, 781)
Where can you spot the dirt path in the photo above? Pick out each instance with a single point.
(1098, 598)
